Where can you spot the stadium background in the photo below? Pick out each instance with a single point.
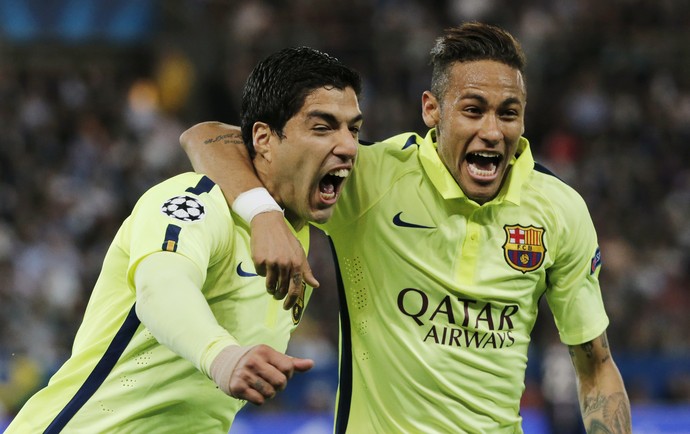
(94, 94)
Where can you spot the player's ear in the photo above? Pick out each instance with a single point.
(262, 136)
(431, 111)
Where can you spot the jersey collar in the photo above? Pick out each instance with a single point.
(444, 182)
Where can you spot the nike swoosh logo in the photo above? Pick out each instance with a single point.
(403, 224)
(242, 273)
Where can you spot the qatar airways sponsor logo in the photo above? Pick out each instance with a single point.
(459, 322)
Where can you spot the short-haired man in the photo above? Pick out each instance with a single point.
(444, 246)
(179, 330)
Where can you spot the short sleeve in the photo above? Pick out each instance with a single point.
(573, 292)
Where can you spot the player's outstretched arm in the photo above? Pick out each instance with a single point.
(216, 149)
(255, 373)
(603, 400)
(170, 304)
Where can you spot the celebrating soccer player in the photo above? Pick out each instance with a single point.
(179, 330)
(445, 245)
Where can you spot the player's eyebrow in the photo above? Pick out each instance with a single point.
(483, 100)
(357, 118)
(476, 96)
(330, 118)
(508, 101)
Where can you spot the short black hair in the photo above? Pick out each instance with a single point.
(279, 84)
(472, 41)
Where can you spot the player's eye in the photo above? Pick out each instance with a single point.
(509, 114)
(472, 110)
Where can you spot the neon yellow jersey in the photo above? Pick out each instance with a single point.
(441, 294)
(119, 379)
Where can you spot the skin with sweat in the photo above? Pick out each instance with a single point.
(479, 120)
(306, 168)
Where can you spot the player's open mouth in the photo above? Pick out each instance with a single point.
(483, 166)
(330, 185)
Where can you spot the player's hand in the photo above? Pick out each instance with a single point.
(258, 374)
(278, 255)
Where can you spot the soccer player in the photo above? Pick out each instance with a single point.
(179, 330)
(445, 244)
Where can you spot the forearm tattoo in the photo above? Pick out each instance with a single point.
(225, 138)
(602, 413)
(605, 344)
(608, 414)
(588, 348)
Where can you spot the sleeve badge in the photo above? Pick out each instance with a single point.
(596, 261)
(184, 208)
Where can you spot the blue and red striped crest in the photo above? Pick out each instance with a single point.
(524, 248)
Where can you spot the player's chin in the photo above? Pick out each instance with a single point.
(321, 214)
(481, 189)
(322, 206)
(482, 193)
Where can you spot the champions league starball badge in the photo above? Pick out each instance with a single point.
(184, 208)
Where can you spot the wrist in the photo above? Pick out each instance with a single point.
(254, 202)
(224, 365)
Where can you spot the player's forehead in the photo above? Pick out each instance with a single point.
(331, 103)
(482, 76)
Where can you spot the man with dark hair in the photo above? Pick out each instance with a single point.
(179, 332)
(444, 246)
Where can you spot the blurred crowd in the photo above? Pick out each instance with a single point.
(87, 126)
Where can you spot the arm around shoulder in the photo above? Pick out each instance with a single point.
(217, 149)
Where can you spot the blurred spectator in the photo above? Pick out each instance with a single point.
(560, 390)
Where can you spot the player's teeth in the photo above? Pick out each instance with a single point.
(341, 173)
(482, 172)
(327, 196)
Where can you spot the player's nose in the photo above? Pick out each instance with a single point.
(347, 145)
(490, 130)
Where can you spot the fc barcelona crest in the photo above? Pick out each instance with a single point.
(524, 247)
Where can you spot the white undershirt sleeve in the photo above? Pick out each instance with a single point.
(169, 302)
